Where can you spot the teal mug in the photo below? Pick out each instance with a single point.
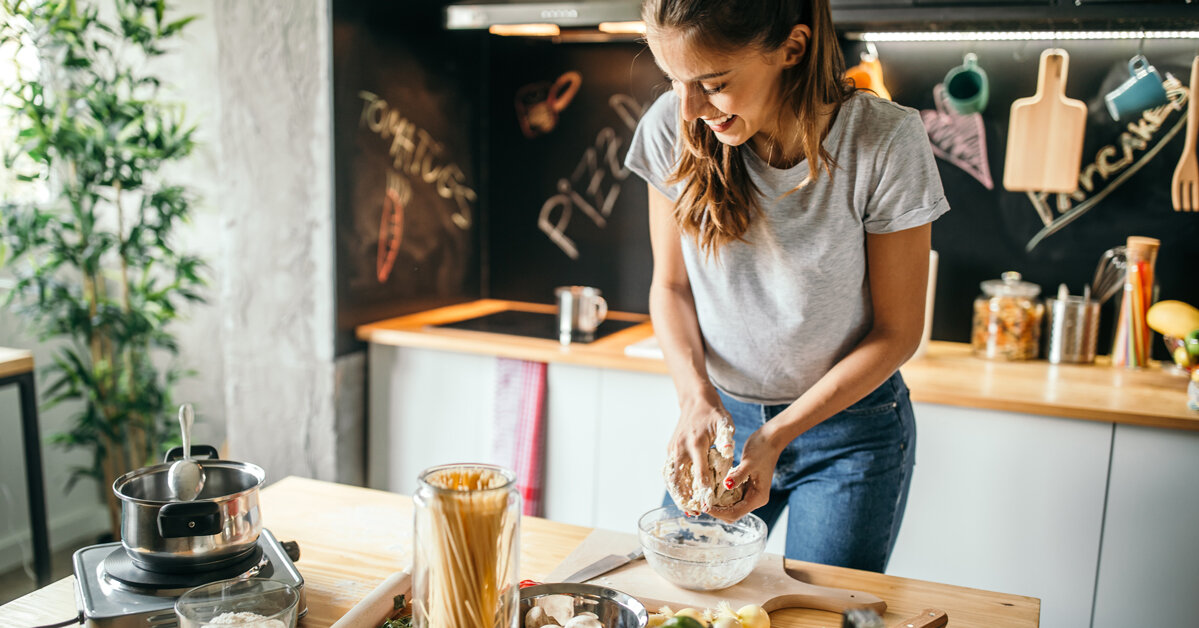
(966, 86)
(1142, 90)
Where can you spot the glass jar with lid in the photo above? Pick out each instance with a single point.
(1007, 319)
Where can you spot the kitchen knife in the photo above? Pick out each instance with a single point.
(603, 566)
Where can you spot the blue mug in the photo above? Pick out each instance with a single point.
(1142, 90)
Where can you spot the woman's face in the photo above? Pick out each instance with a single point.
(735, 94)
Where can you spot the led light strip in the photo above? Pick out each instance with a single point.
(1021, 35)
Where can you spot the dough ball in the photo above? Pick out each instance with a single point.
(688, 490)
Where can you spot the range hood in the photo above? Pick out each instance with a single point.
(484, 14)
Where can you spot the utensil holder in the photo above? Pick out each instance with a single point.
(1072, 330)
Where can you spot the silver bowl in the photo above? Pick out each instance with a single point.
(615, 609)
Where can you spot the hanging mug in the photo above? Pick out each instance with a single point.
(966, 87)
(1142, 90)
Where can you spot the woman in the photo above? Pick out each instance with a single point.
(790, 225)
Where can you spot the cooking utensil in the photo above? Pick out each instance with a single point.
(928, 618)
(164, 535)
(768, 585)
(1045, 133)
(186, 477)
(604, 565)
(1109, 274)
(1184, 190)
(379, 604)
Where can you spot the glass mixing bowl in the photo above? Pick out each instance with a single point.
(244, 603)
(701, 553)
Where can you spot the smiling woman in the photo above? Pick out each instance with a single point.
(781, 291)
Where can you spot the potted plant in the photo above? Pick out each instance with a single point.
(93, 256)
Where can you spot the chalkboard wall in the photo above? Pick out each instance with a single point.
(539, 131)
(407, 123)
(564, 209)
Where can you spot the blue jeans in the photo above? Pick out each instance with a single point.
(846, 480)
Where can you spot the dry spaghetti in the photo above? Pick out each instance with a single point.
(466, 543)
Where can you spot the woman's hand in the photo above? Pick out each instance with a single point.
(694, 434)
(758, 460)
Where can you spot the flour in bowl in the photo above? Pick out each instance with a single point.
(244, 619)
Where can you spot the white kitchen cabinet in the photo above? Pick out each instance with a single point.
(572, 429)
(637, 414)
(426, 408)
(1149, 566)
(1007, 502)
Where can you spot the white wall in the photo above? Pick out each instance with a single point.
(255, 78)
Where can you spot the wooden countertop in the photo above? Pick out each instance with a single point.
(352, 538)
(15, 361)
(947, 374)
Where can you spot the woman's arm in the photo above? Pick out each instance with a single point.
(672, 310)
(898, 267)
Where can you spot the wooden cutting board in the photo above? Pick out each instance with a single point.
(1045, 133)
(768, 586)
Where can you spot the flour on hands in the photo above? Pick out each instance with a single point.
(688, 489)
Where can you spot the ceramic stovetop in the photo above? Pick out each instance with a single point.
(533, 325)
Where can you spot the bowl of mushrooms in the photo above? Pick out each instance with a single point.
(579, 606)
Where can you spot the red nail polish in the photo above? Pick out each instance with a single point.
(728, 482)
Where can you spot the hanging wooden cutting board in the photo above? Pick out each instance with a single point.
(1045, 133)
(768, 586)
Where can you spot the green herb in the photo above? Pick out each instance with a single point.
(398, 622)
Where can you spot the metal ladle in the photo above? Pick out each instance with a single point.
(186, 477)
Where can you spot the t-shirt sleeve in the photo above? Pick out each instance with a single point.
(651, 154)
(907, 186)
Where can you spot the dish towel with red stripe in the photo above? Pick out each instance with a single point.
(519, 437)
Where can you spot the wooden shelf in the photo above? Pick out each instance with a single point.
(947, 374)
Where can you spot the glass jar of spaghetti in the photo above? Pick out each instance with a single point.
(1007, 319)
(467, 525)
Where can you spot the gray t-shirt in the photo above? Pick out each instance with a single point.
(777, 312)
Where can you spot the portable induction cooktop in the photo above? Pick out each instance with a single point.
(112, 592)
(533, 325)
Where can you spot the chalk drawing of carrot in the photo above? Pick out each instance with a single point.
(391, 233)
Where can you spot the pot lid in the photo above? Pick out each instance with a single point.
(1010, 284)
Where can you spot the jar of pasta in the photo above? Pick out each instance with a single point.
(1007, 319)
(466, 532)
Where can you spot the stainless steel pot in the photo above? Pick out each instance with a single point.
(220, 527)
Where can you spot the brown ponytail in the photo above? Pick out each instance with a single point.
(719, 198)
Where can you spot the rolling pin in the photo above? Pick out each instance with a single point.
(378, 604)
